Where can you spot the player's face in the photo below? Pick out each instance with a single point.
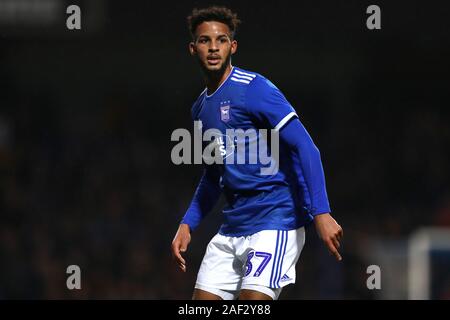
(213, 45)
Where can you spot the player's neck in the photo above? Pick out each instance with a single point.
(215, 79)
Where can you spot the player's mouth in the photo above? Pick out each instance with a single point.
(213, 60)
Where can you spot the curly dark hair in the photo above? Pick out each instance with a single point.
(213, 13)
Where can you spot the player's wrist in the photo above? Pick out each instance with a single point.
(321, 217)
(185, 227)
(320, 214)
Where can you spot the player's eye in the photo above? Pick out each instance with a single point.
(203, 40)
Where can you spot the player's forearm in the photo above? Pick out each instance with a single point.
(307, 161)
(206, 195)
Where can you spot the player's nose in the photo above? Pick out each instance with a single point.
(213, 47)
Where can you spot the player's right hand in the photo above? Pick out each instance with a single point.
(179, 245)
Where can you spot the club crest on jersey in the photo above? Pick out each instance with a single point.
(225, 111)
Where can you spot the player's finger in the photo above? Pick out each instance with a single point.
(183, 248)
(340, 233)
(182, 267)
(336, 243)
(180, 258)
(333, 250)
(181, 264)
(176, 253)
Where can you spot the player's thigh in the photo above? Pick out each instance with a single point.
(246, 294)
(204, 295)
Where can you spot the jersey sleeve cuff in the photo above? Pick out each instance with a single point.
(192, 226)
(285, 120)
(317, 213)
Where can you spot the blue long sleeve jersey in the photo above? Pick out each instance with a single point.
(286, 199)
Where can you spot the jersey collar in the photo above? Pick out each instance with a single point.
(206, 89)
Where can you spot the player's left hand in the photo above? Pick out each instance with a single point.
(330, 232)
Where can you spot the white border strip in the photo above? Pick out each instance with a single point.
(237, 75)
(285, 120)
(245, 73)
(239, 80)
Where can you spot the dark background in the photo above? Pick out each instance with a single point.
(86, 117)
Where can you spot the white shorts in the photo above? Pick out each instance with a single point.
(264, 261)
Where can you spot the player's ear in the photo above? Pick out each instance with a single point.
(234, 46)
(192, 49)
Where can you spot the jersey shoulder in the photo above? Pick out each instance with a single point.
(258, 89)
(255, 83)
(243, 77)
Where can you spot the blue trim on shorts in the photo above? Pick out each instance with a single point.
(282, 259)
(274, 258)
(278, 260)
(278, 268)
